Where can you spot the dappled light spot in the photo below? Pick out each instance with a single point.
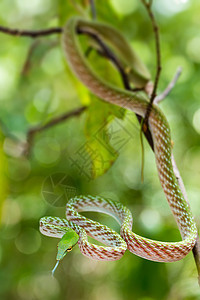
(196, 120)
(169, 8)
(124, 7)
(13, 148)
(42, 99)
(151, 220)
(132, 176)
(192, 49)
(33, 7)
(7, 77)
(28, 241)
(31, 206)
(18, 168)
(45, 101)
(157, 199)
(173, 63)
(186, 288)
(11, 213)
(85, 267)
(193, 195)
(52, 62)
(10, 231)
(33, 116)
(191, 163)
(195, 94)
(41, 286)
(47, 150)
(104, 291)
(45, 287)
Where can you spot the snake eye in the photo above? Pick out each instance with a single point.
(69, 249)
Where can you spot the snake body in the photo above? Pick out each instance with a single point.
(159, 127)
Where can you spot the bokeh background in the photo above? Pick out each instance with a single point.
(36, 86)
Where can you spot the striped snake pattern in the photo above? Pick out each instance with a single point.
(116, 244)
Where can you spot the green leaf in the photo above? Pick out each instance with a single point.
(124, 7)
(132, 65)
(98, 146)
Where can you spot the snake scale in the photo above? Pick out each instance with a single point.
(75, 228)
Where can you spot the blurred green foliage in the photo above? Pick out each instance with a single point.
(36, 90)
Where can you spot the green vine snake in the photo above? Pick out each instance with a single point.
(75, 228)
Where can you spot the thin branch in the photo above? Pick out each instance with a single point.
(148, 6)
(33, 131)
(111, 56)
(169, 88)
(27, 62)
(74, 113)
(30, 33)
(108, 53)
(93, 9)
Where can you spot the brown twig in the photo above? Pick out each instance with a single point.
(108, 53)
(169, 88)
(93, 9)
(34, 130)
(31, 33)
(27, 62)
(148, 6)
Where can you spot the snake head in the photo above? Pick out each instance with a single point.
(67, 242)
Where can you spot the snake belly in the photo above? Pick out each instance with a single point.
(159, 127)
